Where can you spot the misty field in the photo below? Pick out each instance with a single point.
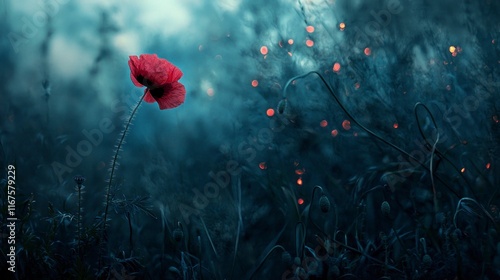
(232, 139)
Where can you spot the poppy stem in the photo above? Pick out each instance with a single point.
(114, 165)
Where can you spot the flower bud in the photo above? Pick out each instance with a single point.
(79, 179)
(386, 208)
(324, 204)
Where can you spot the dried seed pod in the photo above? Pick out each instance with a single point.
(324, 204)
(386, 208)
(79, 179)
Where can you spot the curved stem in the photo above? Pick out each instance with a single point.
(79, 221)
(114, 163)
(300, 240)
(433, 151)
(347, 112)
(310, 207)
(330, 90)
(265, 258)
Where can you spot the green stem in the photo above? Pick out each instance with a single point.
(79, 220)
(130, 240)
(114, 163)
(433, 151)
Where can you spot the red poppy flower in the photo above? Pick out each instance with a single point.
(160, 77)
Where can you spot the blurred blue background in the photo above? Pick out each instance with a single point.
(65, 76)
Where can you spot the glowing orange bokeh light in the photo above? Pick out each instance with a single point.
(299, 181)
(462, 170)
(309, 43)
(368, 51)
(323, 123)
(270, 112)
(255, 83)
(395, 125)
(342, 26)
(336, 67)
(310, 29)
(263, 50)
(346, 124)
(452, 49)
(488, 165)
(335, 133)
(300, 201)
(263, 165)
(300, 171)
(290, 41)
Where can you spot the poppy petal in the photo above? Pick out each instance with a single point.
(148, 97)
(134, 80)
(174, 97)
(174, 73)
(135, 70)
(154, 69)
(158, 70)
(148, 58)
(160, 77)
